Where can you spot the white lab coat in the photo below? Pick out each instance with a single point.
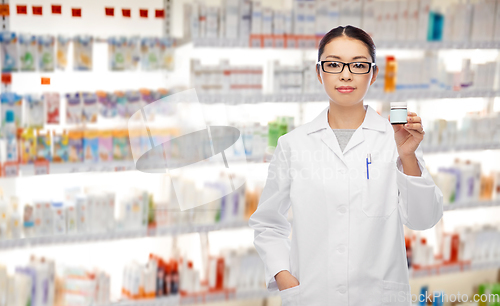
(347, 246)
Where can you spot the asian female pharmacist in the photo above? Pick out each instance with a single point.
(347, 246)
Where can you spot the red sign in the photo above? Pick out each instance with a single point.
(76, 12)
(56, 9)
(22, 10)
(6, 78)
(45, 81)
(160, 13)
(143, 13)
(37, 10)
(110, 11)
(4, 10)
(126, 12)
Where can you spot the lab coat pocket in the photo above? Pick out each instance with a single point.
(290, 296)
(396, 294)
(380, 192)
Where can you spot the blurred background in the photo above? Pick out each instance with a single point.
(80, 226)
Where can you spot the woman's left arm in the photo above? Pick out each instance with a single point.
(420, 200)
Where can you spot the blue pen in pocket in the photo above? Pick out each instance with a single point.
(368, 162)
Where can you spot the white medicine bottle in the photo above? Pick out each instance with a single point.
(399, 113)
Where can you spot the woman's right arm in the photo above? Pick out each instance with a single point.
(269, 221)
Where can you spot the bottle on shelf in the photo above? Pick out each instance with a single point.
(391, 70)
(11, 137)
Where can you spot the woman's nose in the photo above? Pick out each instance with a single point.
(346, 74)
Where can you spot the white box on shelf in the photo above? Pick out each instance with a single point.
(368, 21)
(279, 23)
(449, 18)
(496, 30)
(231, 17)
(390, 21)
(462, 24)
(423, 19)
(310, 18)
(203, 19)
(345, 12)
(379, 13)
(322, 17)
(299, 17)
(212, 22)
(188, 20)
(288, 19)
(245, 18)
(356, 13)
(412, 22)
(256, 18)
(333, 14)
(267, 21)
(483, 21)
(402, 20)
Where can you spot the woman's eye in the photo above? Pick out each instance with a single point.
(358, 65)
(333, 65)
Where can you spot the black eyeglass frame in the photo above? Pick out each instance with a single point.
(322, 63)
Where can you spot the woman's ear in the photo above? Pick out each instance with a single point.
(318, 74)
(375, 73)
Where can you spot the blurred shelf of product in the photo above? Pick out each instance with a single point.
(230, 275)
(160, 301)
(381, 45)
(477, 132)
(424, 77)
(91, 214)
(47, 53)
(436, 270)
(467, 249)
(258, 24)
(471, 205)
(236, 99)
(201, 298)
(115, 235)
(457, 148)
(37, 284)
(464, 183)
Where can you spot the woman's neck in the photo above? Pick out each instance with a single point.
(346, 117)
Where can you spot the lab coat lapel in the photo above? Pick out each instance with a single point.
(320, 125)
(357, 137)
(329, 138)
(372, 121)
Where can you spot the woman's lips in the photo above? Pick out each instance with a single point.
(345, 90)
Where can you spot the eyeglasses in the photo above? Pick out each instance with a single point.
(338, 67)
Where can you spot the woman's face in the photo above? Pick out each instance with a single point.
(346, 50)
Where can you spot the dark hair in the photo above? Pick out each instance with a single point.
(351, 32)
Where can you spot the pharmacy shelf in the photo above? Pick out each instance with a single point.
(117, 235)
(401, 95)
(415, 45)
(164, 301)
(459, 267)
(60, 168)
(471, 204)
(202, 298)
(463, 147)
(26, 170)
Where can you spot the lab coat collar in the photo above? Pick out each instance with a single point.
(372, 121)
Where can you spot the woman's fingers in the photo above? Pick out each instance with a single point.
(414, 127)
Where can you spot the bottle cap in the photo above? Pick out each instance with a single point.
(9, 116)
(398, 105)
